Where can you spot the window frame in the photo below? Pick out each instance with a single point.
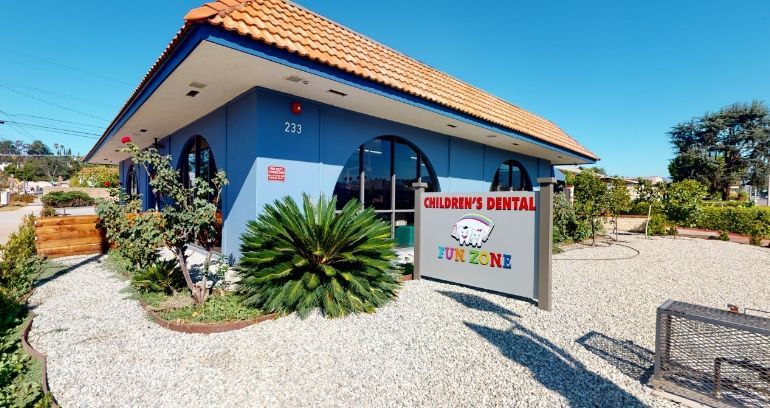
(524, 180)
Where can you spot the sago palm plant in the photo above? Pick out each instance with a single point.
(298, 259)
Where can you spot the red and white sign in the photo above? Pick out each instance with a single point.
(276, 173)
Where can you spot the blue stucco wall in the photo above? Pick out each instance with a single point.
(247, 135)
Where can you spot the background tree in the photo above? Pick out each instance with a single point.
(8, 147)
(723, 148)
(38, 147)
(590, 200)
(618, 201)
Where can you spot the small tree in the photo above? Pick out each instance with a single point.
(649, 193)
(188, 214)
(618, 200)
(682, 202)
(590, 200)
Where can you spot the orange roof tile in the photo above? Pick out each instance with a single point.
(297, 30)
(300, 31)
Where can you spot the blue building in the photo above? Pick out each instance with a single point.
(287, 101)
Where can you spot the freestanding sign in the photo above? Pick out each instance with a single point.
(486, 240)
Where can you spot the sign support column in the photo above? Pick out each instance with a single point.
(419, 188)
(545, 244)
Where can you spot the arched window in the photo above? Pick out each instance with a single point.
(380, 174)
(197, 161)
(132, 181)
(511, 176)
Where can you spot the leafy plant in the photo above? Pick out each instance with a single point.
(652, 194)
(136, 235)
(47, 212)
(659, 225)
(566, 225)
(188, 214)
(95, 176)
(591, 199)
(160, 276)
(19, 263)
(682, 202)
(299, 259)
(67, 199)
(618, 201)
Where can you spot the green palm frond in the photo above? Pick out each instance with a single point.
(296, 258)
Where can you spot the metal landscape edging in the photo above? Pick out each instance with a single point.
(39, 357)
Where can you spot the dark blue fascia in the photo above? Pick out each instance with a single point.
(250, 46)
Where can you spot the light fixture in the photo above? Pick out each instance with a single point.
(514, 143)
(451, 125)
(337, 92)
(199, 85)
(192, 94)
(491, 136)
(143, 130)
(295, 78)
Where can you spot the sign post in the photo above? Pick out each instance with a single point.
(419, 189)
(545, 244)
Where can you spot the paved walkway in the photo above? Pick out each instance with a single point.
(10, 220)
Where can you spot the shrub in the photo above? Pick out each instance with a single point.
(19, 263)
(136, 235)
(740, 220)
(48, 212)
(188, 214)
(160, 276)
(60, 199)
(22, 198)
(566, 225)
(297, 260)
(95, 176)
(682, 202)
(591, 200)
(659, 225)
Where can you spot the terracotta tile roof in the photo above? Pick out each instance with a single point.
(300, 31)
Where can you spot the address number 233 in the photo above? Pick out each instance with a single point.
(292, 127)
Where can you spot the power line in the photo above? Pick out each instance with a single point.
(55, 120)
(52, 103)
(82, 71)
(62, 95)
(71, 132)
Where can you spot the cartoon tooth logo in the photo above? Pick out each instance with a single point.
(472, 230)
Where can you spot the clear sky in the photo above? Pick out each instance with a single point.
(616, 75)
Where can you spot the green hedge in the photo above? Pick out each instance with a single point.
(67, 199)
(753, 221)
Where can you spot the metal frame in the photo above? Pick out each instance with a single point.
(744, 328)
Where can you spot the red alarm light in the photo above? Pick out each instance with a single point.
(296, 108)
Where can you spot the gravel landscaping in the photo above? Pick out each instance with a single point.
(437, 345)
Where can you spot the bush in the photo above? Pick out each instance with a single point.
(161, 276)
(566, 226)
(19, 263)
(136, 235)
(297, 260)
(751, 221)
(60, 199)
(22, 198)
(48, 212)
(682, 202)
(659, 225)
(95, 176)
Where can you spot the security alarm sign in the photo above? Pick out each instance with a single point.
(276, 173)
(486, 240)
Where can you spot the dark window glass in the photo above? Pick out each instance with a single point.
(348, 185)
(377, 166)
(405, 161)
(132, 181)
(511, 176)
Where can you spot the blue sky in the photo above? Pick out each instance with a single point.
(616, 75)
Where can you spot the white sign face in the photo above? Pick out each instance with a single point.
(485, 240)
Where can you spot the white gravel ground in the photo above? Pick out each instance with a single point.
(437, 345)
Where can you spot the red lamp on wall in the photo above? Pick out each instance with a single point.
(296, 108)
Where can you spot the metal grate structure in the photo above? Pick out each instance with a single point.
(712, 356)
